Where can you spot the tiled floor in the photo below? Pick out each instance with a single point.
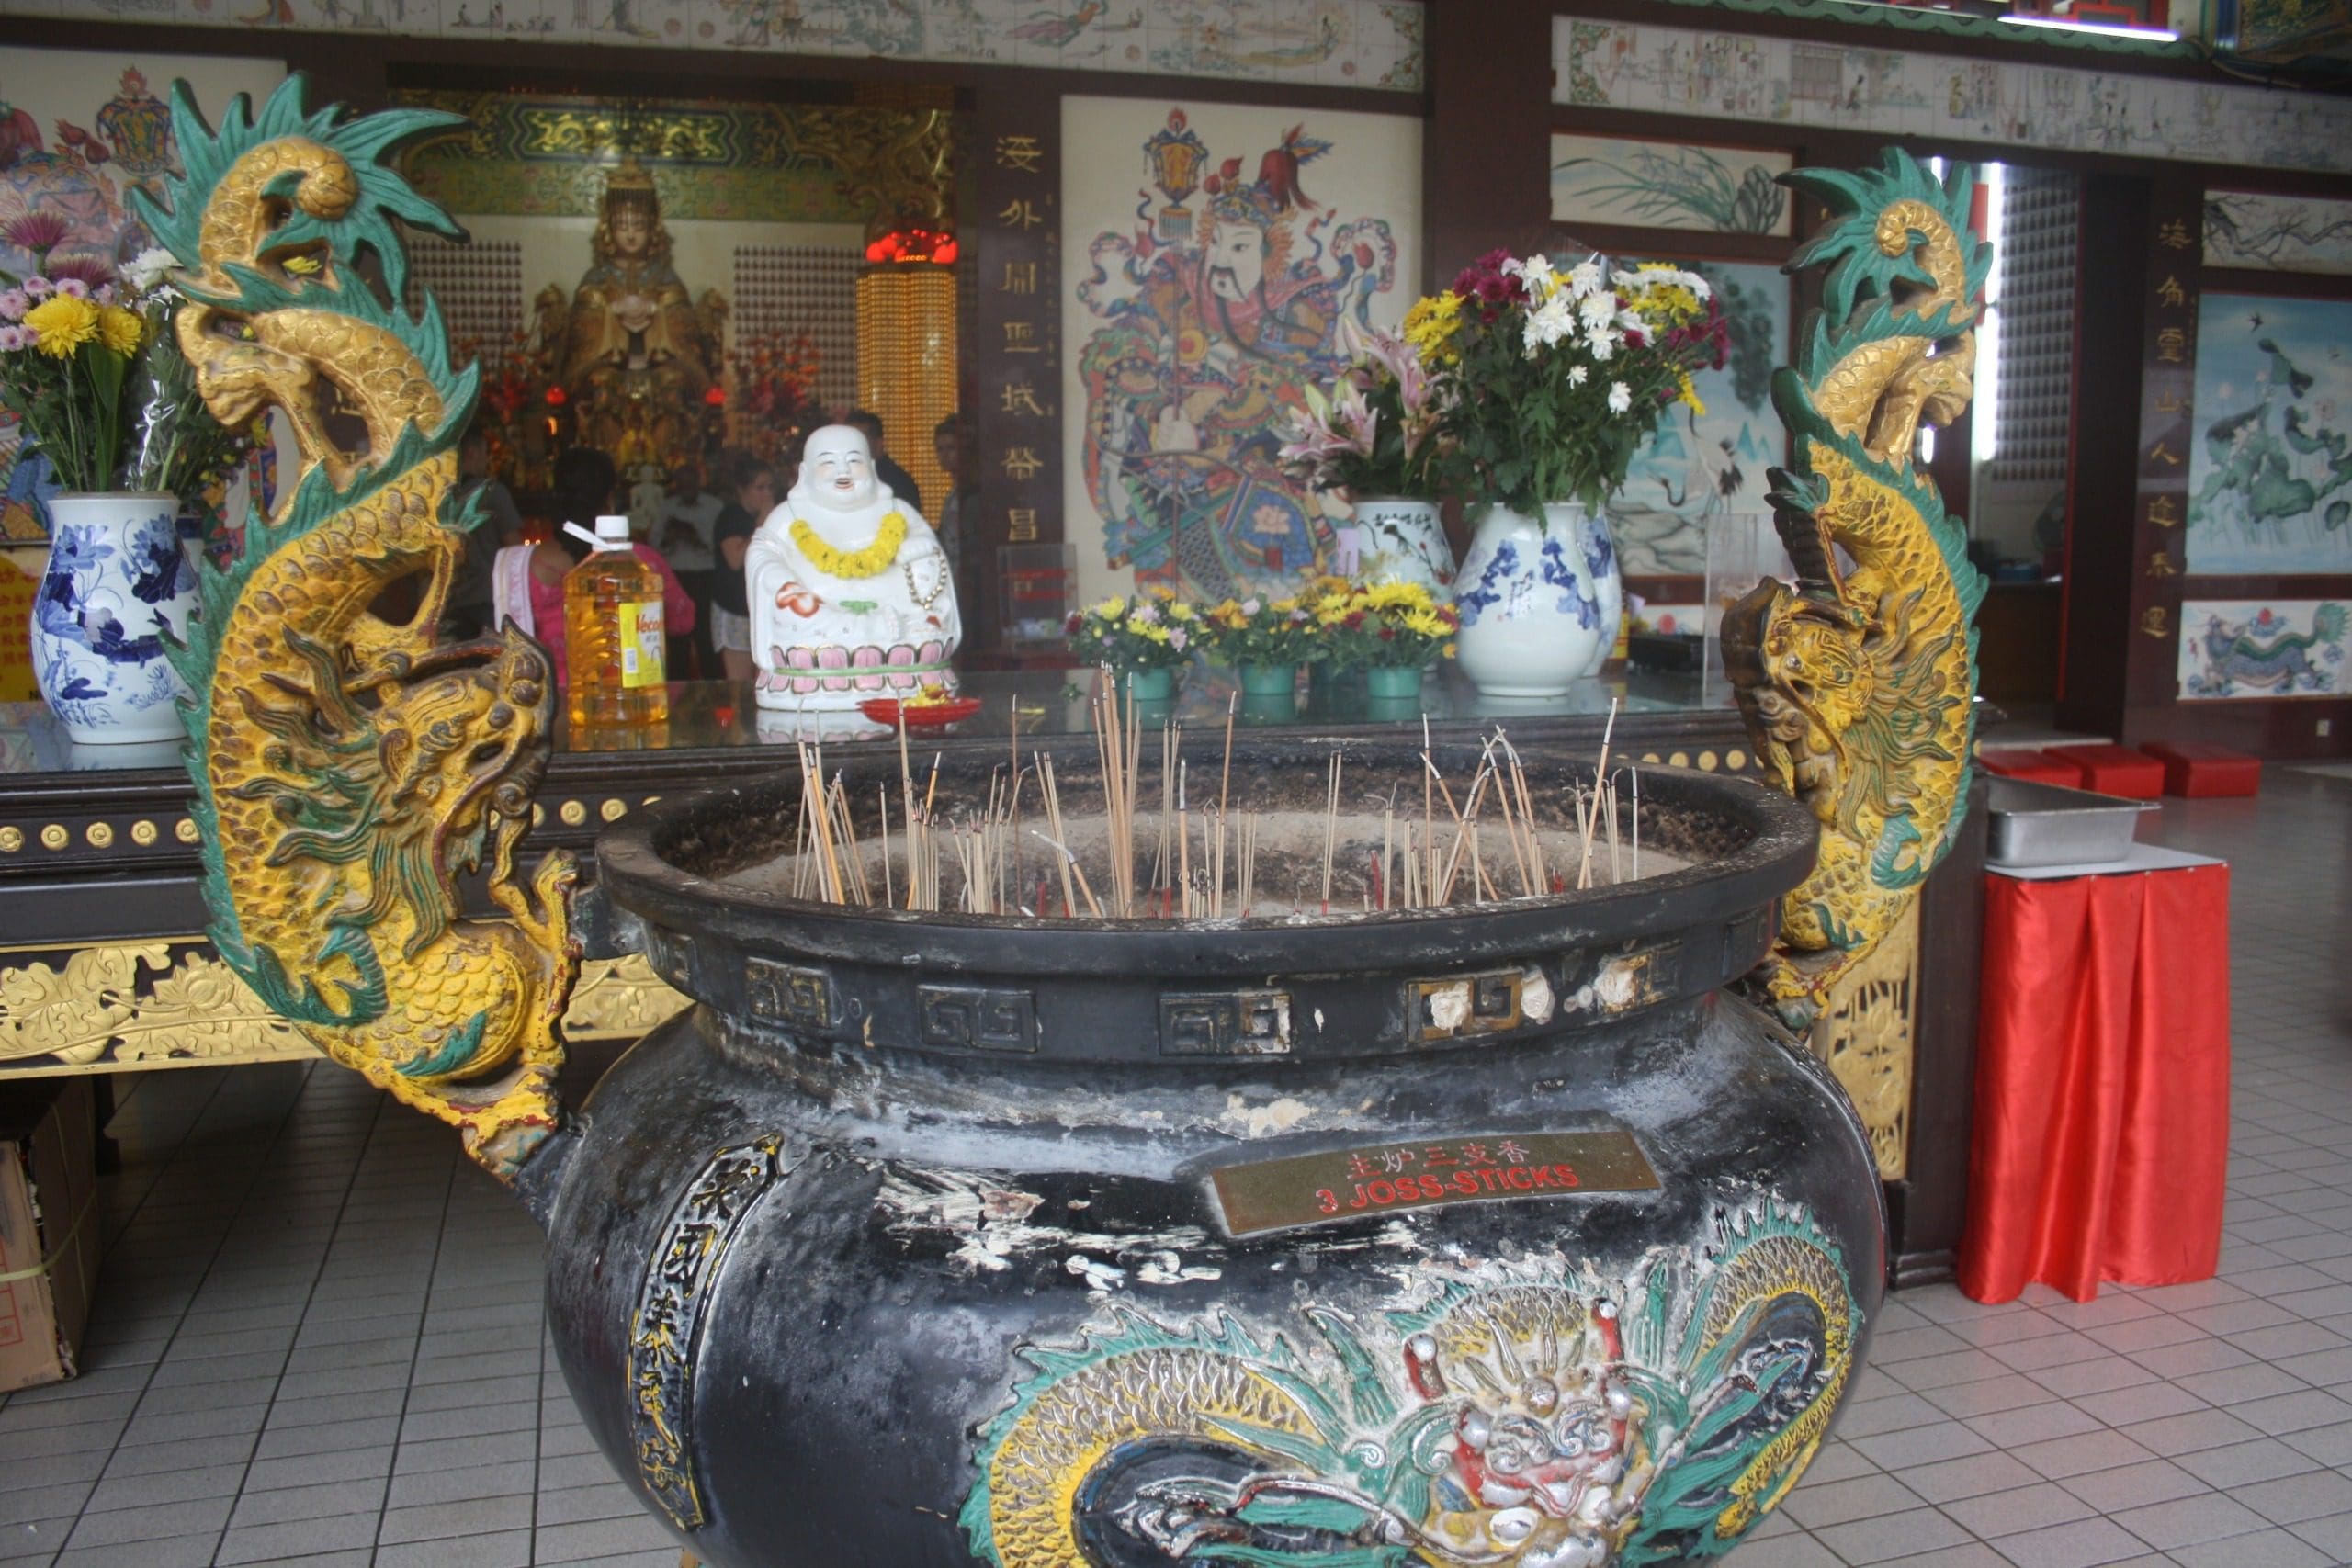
(319, 1335)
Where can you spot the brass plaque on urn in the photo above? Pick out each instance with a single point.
(1427, 1173)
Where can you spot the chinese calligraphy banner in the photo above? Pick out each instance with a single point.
(1213, 256)
(2270, 469)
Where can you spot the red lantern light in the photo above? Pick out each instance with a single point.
(556, 399)
(715, 397)
(913, 245)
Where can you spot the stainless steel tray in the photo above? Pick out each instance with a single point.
(2041, 824)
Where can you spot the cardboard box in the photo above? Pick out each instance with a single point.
(49, 1228)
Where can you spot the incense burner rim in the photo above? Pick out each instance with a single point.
(637, 873)
(809, 976)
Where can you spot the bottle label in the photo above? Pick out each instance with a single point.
(642, 644)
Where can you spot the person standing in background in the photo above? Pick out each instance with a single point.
(902, 483)
(689, 513)
(750, 486)
(470, 610)
(951, 442)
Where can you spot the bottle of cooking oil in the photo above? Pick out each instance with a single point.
(613, 633)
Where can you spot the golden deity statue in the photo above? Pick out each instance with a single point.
(633, 352)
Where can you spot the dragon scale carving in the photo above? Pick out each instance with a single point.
(347, 767)
(1858, 687)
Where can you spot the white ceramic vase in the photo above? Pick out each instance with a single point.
(116, 578)
(1599, 548)
(1539, 599)
(1399, 540)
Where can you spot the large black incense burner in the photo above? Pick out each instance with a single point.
(1357, 1164)
(1488, 1234)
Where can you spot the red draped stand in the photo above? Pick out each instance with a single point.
(2103, 1083)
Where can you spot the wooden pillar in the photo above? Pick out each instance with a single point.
(1486, 153)
(2102, 484)
(1015, 231)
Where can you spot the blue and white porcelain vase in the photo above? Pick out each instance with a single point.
(1539, 600)
(1598, 550)
(116, 579)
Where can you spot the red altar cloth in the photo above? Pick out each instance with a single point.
(2102, 1083)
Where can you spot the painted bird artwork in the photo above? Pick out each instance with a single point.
(1053, 27)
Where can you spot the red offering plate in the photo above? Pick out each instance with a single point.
(932, 715)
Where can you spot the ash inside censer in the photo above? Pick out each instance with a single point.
(1187, 831)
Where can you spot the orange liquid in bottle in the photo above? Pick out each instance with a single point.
(614, 641)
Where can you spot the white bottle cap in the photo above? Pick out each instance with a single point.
(612, 534)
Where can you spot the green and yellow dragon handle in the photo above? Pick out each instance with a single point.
(1859, 686)
(348, 768)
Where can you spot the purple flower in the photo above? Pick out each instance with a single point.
(73, 288)
(38, 287)
(1177, 637)
(35, 230)
(13, 338)
(91, 270)
(13, 305)
(106, 294)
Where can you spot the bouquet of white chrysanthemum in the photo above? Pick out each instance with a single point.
(1550, 381)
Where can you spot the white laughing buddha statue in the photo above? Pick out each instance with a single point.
(851, 596)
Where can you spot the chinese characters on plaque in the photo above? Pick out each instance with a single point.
(1018, 349)
(2160, 500)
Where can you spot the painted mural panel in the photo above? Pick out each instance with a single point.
(1361, 43)
(1666, 185)
(2255, 648)
(2271, 475)
(79, 130)
(1213, 253)
(2277, 233)
(1778, 81)
(1700, 467)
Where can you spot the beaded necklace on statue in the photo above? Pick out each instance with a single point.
(871, 561)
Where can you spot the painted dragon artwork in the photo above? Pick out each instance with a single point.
(1531, 1414)
(349, 768)
(1859, 684)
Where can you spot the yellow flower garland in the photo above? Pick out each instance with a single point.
(872, 562)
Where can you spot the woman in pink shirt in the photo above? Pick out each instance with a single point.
(528, 580)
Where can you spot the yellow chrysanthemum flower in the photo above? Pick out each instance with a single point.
(1149, 632)
(1110, 609)
(1429, 327)
(1690, 394)
(120, 330)
(1397, 596)
(64, 324)
(1332, 611)
(1284, 606)
(1424, 623)
(1327, 587)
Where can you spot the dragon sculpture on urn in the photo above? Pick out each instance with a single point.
(349, 767)
(1859, 684)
